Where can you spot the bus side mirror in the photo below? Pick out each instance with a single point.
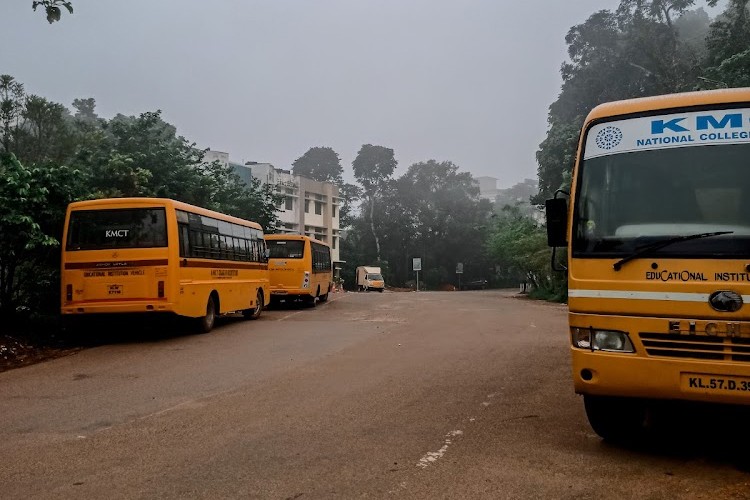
(557, 222)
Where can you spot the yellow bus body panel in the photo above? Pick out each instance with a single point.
(286, 276)
(127, 280)
(649, 310)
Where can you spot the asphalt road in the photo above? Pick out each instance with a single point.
(392, 395)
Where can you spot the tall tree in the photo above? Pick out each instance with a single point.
(85, 109)
(350, 195)
(728, 43)
(46, 134)
(11, 106)
(440, 210)
(633, 52)
(320, 164)
(373, 168)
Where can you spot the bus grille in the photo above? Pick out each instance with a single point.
(696, 346)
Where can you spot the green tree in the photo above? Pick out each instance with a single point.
(12, 97)
(86, 110)
(728, 58)
(52, 8)
(633, 52)
(46, 135)
(436, 213)
(519, 249)
(350, 195)
(320, 164)
(373, 168)
(23, 199)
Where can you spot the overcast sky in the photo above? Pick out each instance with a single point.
(468, 81)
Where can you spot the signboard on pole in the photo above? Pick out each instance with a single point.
(416, 263)
(460, 268)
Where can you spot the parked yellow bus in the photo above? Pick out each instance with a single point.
(658, 238)
(150, 255)
(299, 268)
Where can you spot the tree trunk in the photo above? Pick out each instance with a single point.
(372, 227)
(7, 275)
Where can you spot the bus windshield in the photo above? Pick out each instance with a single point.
(117, 228)
(630, 200)
(286, 249)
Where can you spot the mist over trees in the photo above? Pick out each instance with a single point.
(50, 156)
(644, 48)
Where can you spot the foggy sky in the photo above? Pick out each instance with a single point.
(468, 81)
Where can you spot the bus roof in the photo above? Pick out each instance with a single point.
(136, 202)
(669, 101)
(290, 236)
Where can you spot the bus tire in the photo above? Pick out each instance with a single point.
(617, 420)
(380, 290)
(324, 297)
(309, 300)
(254, 313)
(206, 323)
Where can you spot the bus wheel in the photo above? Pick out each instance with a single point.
(618, 420)
(309, 300)
(254, 313)
(323, 298)
(206, 323)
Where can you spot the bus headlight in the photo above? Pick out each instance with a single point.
(601, 340)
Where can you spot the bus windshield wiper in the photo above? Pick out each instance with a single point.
(661, 244)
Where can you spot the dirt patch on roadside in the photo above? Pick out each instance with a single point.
(17, 350)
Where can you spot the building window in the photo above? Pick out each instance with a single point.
(318, 207)
(333, 210)
(333, 242)
(307, 206)
(289, 203)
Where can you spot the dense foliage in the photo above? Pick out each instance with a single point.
(49, 158)
(644, 48)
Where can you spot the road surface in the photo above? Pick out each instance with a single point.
(392, 395)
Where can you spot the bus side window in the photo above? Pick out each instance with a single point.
(184, 240)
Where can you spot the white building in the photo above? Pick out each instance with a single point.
(309, 207)
(487, 187)
(212, 156)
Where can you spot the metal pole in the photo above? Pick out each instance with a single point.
(417, 280)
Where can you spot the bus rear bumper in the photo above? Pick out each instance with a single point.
(290, 293)
(629, 375)
(145, 306)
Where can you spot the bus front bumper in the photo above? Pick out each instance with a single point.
(630, 375)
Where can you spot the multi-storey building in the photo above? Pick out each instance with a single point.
(309, 207)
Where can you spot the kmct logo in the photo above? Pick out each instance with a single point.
(609, 137)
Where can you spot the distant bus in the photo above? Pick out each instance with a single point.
(151, 255)
(299, 268)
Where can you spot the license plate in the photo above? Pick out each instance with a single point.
(700, 382)
(114, 289)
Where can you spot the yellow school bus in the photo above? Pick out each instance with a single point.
(299, 268)
(150, 255)
(658, 239)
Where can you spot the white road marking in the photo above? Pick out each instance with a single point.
(289, 315)
(433, 456)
